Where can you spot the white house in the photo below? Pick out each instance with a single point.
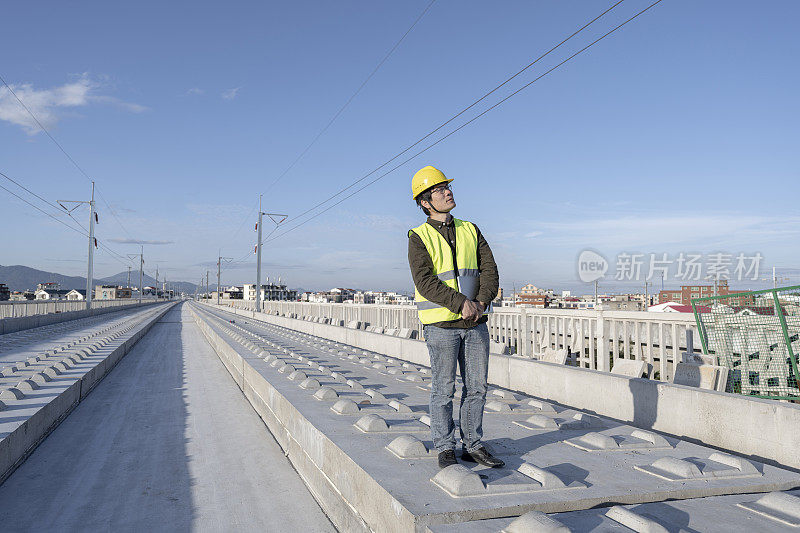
(76, 294)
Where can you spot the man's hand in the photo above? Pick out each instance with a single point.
(470, 310)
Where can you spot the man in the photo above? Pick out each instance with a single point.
(455, 279)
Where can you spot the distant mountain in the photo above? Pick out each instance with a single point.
(22, 278)
(122, 279)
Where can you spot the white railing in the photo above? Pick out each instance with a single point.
(43, 307)
(594, 339)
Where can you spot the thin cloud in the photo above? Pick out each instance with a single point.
(116, 102)
(230, 94)
(195, 91)
(137, 241)
(48, 104)
(699, 230)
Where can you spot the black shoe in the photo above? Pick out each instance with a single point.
(447, 458)
(483, 457)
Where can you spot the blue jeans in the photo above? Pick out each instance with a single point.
(469, 349)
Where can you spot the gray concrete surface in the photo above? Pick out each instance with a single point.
(165, 442)
(36, 394)
(18, 346)
(719, 514)
(558, 459)
(763, 429)
(11, 325)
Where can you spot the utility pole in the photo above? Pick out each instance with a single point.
(141, 268)
(776, 279)
(277, 219)
(595, 294)
(220, 259)
(646, 295)
(155, 287)
(258, 257)
(208, 294)
(90, 275)
(141, 273)
(92, 241)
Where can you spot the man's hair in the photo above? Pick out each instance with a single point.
(426, 196)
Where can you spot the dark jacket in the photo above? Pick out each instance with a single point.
(433, 289)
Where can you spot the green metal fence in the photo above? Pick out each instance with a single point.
(757, 336)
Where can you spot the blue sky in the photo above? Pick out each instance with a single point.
(678, 133)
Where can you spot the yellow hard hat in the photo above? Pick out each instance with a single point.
(425, 178)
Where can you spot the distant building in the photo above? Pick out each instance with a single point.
(233, 293)
(5, 294)
(686, 293)
(507, 301)
(51, 294)
(533, 300)
(22, 296)
(76, 294)
(270, 291)
(111, 292)
(532, 296)
(392, 298)
(364, 297)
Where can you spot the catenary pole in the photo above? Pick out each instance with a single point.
(276, 219)
(90, 261)
(90, 268)
(141, 273)
(220, 259)
(258, 258)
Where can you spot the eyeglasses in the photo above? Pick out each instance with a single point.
(442, 188)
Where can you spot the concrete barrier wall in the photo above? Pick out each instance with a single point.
(10, 325)
(18, 445)
(765, 430)
(594, 338)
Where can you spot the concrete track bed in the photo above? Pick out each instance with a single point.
(34, 398)
(558, 459)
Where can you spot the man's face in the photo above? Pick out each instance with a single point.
(442, 198)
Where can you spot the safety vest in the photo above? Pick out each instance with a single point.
(466, 280)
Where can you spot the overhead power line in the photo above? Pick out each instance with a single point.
(63, 151)
(352, 96)
(464, 110)
(21, 186)
(463, 125)
(83, 231)
(43, 211)
(338, 113)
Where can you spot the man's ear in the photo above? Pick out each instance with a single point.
(426, 204)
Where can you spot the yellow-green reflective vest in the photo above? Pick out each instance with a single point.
(466, 280)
